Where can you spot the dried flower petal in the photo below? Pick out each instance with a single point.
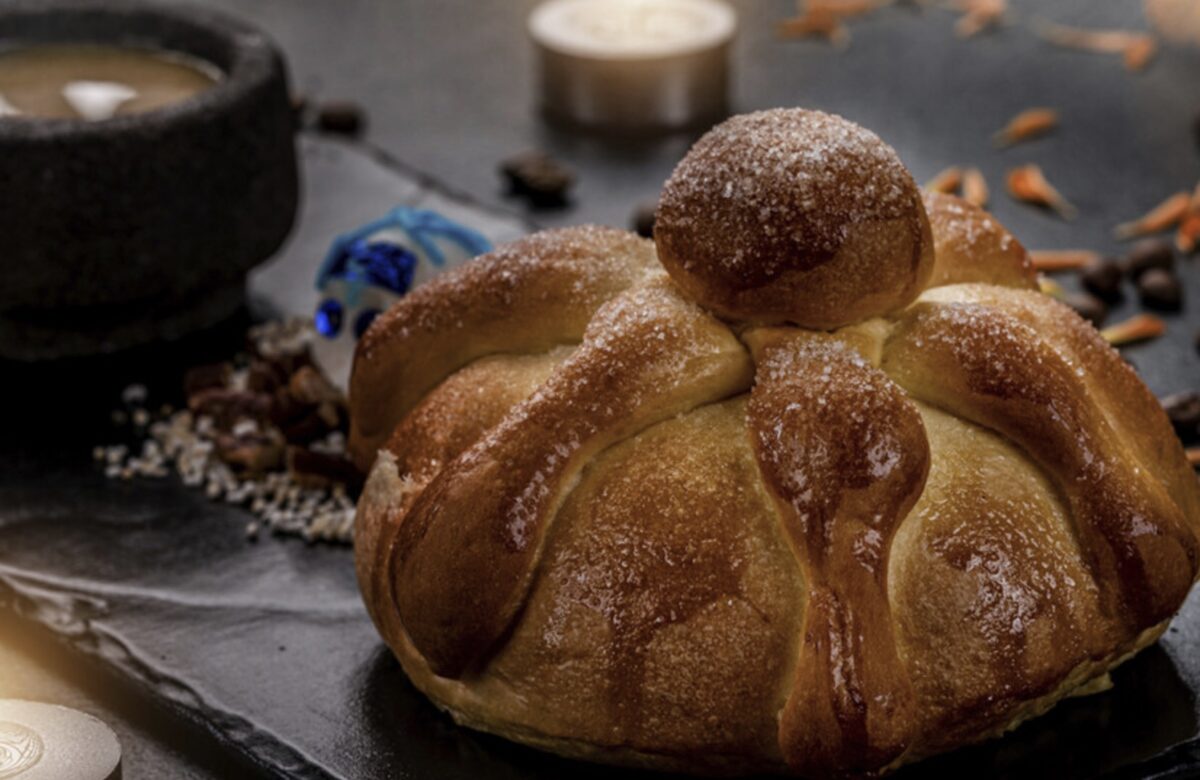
(974, 187)
(819, 24)
(978, 15)
(1101, 41)
(1136, 48)
(1051, 260)
(1027, 124)
(1139, 52)
(947, 182)
(823, 18)
(1027, 183)
(1188, 235)
(1163, 216)
(1139, 327)
(844, 9)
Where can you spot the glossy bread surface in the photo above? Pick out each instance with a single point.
(617, 524)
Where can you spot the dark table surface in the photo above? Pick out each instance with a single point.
(450, 90)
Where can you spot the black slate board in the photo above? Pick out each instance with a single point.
(267, 645)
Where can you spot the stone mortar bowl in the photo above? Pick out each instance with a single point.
(143, 226)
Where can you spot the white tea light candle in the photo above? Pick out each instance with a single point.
(634, 63)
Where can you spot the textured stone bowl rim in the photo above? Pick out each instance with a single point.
(251, 61)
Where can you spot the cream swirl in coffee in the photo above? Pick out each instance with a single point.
(93, 82)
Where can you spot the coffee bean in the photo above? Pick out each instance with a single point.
(318, 469)
(310, 387)
(285, 363)
(254, 452)
(643, 219)
(1102, 278)
(1151, 253)
(1087, 306)
(1183, 410)
(342, 117)
(205, 378)
(307, 428)
(1160, 290)
(227, 406)
(539, 177)
(264, 376)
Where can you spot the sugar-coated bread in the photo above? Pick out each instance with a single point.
(529, 296)
(644, 518)
(971, 246)
(794, 216)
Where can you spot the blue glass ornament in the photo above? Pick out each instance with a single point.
(328, 319)
(388, 265)
(377, 264)
(368, 268)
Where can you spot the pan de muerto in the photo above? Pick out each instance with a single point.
(816, 482)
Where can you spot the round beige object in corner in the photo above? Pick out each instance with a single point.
(48, 742)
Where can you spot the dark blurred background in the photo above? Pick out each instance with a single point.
(449, 86)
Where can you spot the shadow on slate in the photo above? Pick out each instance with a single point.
(267, 645)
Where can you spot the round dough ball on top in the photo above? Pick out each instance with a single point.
(794, 216)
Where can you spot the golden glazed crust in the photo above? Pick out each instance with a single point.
(658, 538)
(970, 246)
(532, 295)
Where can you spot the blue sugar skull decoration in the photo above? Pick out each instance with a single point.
(370, 268)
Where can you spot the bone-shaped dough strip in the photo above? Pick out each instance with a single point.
(466, 551)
